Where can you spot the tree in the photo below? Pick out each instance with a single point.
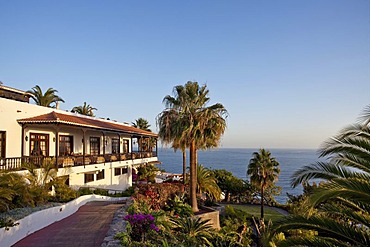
(192, 231)
(141, 123)
(263, 171)
(338, 209)
(170, 127)
(144, 143)
(188, 120)
(207, 183)
(230, 185)
(86, 109)
(45, 99)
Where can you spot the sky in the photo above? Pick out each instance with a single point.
(290, 73)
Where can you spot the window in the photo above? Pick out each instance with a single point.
(89, 177)
(124, 170)
(125, 146)
(94, 145)
(117, 171)
(39, 144)
(65, 145)
(2, 144)
(115, 146)
(100, 175)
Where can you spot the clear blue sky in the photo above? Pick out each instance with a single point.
(290, 73)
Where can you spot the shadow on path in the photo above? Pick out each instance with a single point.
(86, 228)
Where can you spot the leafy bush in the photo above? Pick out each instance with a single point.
(141, 224)
(63, 193)
(177, 206)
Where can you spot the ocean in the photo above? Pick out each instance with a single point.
(236, 161)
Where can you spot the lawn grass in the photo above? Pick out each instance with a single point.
(255, 210)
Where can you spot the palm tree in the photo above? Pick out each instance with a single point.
(170, 126)
(341, 205)
(144, 143)
(192, 231)
(206, 183)
(188, 122)
(86, 109)
(142, 123)
(263, 171)
(45, 99)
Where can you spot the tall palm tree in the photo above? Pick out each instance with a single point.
(264, 172)
(170, 125)
(45, 99)
(86, 109)
(342, 203)
(188, 120)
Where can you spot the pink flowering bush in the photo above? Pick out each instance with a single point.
(140, 225)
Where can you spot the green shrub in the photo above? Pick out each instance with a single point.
(84, 191)
(177, 206)
(63, 193)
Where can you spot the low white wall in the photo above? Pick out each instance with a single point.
(43, 218)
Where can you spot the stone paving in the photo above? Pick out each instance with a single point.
(87, 227)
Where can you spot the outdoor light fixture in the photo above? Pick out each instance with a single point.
(53, 139)
(26, 138)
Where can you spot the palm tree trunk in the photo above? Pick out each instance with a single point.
(184, 165)
(262, 202)
(193, 177)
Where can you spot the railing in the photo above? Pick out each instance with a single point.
(72, 160)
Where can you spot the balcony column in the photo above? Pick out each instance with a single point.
(56, 145)
(83, 146)
(132, 147)
(119, 147)
(104, 143)
(22, 142)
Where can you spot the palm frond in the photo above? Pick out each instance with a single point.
(314, 241)
(326, 226)
(324, 171)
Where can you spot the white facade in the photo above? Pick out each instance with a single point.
(114, 173)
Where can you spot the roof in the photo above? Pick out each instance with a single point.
(10, 89)
(84, 121)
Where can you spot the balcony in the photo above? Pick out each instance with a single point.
(15, 164)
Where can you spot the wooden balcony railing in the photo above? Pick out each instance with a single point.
(12, 164)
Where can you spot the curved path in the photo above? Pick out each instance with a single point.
(86, 228)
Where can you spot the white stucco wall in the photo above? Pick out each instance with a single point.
(10, 111)
(43, 218)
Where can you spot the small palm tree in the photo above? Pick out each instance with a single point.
(207, 183)
(192, 231)
(86, 110)
(45, 99)
(141, 123)
(263, 171)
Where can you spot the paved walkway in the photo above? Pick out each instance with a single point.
(86, 228)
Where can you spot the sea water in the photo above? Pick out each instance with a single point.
(236, 160)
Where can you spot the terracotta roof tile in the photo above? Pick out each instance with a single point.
(83, 121)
